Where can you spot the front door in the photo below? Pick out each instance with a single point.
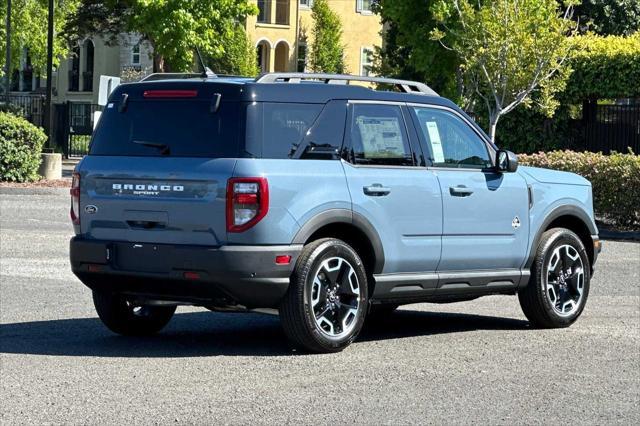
(486, 214)
(389, 188)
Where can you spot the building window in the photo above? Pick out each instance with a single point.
(282, 12)
(366, 60)
(74, 70)
(364, 6)
(87, 75)
(308, 4)
(135, 54)
(302, 57)
(264, 11)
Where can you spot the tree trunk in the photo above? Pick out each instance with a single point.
(493, 123)
(159, 64)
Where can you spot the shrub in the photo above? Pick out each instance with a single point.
(20, 147)
(615, 179)
(604, 67)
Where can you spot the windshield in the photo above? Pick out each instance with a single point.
(176, 128)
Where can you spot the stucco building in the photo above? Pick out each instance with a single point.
(282, 33)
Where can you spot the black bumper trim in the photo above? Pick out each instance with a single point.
(244, 275)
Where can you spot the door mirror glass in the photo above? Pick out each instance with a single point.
(506, 161)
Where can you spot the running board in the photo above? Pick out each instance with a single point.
(408, 287)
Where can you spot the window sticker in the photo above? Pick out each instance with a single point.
(110, 105)
(436, 144)
(381, 137)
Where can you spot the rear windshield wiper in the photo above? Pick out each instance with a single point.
(164, 148)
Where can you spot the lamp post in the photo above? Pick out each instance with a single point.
(48, 109)
(7, 65)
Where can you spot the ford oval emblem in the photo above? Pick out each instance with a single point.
(90, 209)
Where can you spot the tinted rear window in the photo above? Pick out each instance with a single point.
(277, 129)
(186, 127)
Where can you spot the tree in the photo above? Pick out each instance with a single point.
(327, 50)
(29, 31)
(240, 56)
(609, 17)
(508, 50)
(407, 53)
(174, 28)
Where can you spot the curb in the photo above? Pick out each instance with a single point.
(619, 235)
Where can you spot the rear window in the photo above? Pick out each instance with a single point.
(169, 127)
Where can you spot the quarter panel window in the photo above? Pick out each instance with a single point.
(275, 130)
(378, 136)
(450, 141)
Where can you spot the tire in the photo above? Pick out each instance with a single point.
(560, 278)
(122, 317)
(326, 303)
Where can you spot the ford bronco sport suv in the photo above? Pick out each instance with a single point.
(323, 201)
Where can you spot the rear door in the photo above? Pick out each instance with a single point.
(158, 166)
(389, 187)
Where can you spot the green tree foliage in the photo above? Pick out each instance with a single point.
(20, 147)
(609, 17)
(327, 50)
(407, 53)
(604, 68)
(29, 30)
(509, 50)
(239, 58)
(174, 28)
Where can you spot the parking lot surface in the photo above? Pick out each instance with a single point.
(476, 361)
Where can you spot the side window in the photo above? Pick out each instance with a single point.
(450, 141)
(275, 130)
(378, 136)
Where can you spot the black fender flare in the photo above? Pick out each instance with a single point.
(332, 216)
(567, 210)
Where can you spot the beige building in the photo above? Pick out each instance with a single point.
(282, 30)
(281, 33)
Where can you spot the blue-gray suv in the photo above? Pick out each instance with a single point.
(320, 200)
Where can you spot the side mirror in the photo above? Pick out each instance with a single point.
(506, 161)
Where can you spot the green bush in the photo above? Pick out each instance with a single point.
(604, 67)
(615, 179)
(20, 147)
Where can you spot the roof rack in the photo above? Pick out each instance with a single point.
(293, 77)
(177, 76)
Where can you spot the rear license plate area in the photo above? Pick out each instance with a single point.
(142, 257)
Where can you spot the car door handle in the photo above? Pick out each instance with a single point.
(376, 190)
(460, 191)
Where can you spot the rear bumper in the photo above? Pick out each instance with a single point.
(216, 276)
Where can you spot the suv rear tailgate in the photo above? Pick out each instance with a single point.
(165, 200)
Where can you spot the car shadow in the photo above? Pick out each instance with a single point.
(197, 334)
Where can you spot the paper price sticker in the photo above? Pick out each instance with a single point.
(436, 144)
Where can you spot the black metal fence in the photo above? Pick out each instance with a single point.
(31, 107)
(612, 128)
(81, 121)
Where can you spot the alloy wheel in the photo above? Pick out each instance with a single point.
(335, 297)
(565, 280)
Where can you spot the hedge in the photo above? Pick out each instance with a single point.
(604, 67)
(615, 179)
(20, 147)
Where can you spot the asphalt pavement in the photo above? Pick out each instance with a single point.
(471, 362)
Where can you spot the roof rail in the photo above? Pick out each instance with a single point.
(296, 77)
(176, 76)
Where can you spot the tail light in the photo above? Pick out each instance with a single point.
(75, 199)
(247, 202)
